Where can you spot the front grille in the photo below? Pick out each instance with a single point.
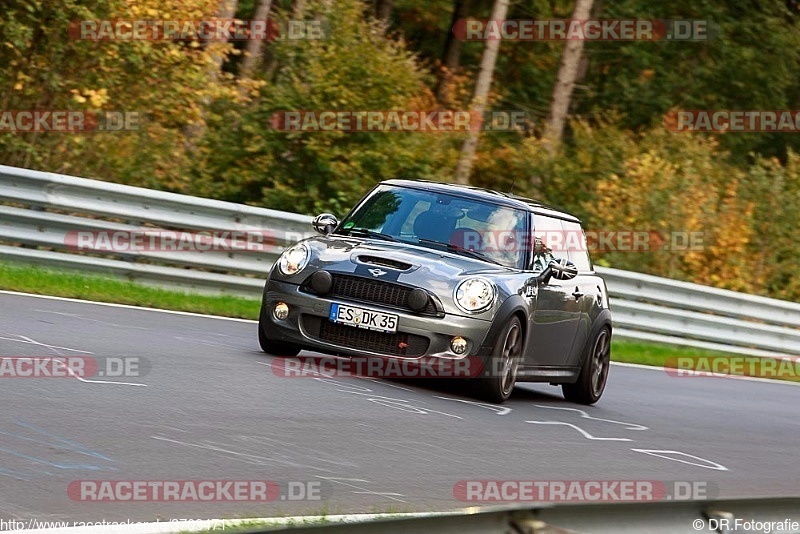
(398, 344)
(376, 292)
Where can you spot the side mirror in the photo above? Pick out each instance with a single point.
(562, 269)
(324, 223)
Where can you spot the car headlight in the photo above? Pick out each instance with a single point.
(474, 295)
(294, 259)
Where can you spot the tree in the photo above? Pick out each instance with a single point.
(227, 10)
(383, 10)
(255, 47)
(357, 68)
(482, 85)
(452, 52)
(565, 82)
(48, 65)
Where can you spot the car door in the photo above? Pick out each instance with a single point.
(586, 287)
(557, 311)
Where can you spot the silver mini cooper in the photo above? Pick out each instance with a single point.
(420, 270)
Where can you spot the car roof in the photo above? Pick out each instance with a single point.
(488, 195)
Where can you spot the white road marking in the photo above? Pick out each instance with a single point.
(385, 383)
(54, 348)
(579, 429)
(399, 404)
(12, 474)
(584, 415)
(389, 402)
(243, 456)
(54, 441)
(361, 490)
(347, 386)
(126, 306)
(81, 317)
(664, 454)
(80, 379)
(208, 343)
(728, 377)
(322, 454)
(318, 375)
(57, 350)
(501, 410)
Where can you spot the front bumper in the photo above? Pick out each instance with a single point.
(307, 326)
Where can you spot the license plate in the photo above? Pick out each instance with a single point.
(361, 318)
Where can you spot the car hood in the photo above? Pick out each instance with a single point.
(390, 261)
(413, 265)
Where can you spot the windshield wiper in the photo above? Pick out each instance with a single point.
(461, 250)
(364, 232)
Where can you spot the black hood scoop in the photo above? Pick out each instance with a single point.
(384, 262)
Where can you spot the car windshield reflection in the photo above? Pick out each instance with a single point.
(440, 221)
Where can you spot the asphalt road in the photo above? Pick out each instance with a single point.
(212, 407)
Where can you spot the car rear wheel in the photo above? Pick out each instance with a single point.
(594, 372)
(503, 364)
(276, 348)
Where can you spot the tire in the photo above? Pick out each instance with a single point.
(594, 372)
(503, 364)
(276, 348)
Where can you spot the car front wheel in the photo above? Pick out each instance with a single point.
(503, 364)
(594, 372)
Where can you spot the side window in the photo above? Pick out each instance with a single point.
(575, 243)
(547, 241)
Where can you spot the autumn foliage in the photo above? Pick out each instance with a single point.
(207, 130)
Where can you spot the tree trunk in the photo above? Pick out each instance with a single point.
(452, 52)
(383, 10)
(479, 96)
(227, 10)
(565, 82)
(255, 47)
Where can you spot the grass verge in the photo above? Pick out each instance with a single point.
(31, 279)
(102, 289)
(656, 354)
(703, 360)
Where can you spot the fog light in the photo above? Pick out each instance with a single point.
(281, 311)
(458, 345)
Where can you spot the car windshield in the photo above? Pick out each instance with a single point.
(441, 221)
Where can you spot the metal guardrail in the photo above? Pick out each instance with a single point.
(675, 517)
(43, 209)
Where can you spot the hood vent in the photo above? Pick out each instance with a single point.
(385, 262)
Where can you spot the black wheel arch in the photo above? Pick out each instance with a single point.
(603, 320)
(513, 305)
